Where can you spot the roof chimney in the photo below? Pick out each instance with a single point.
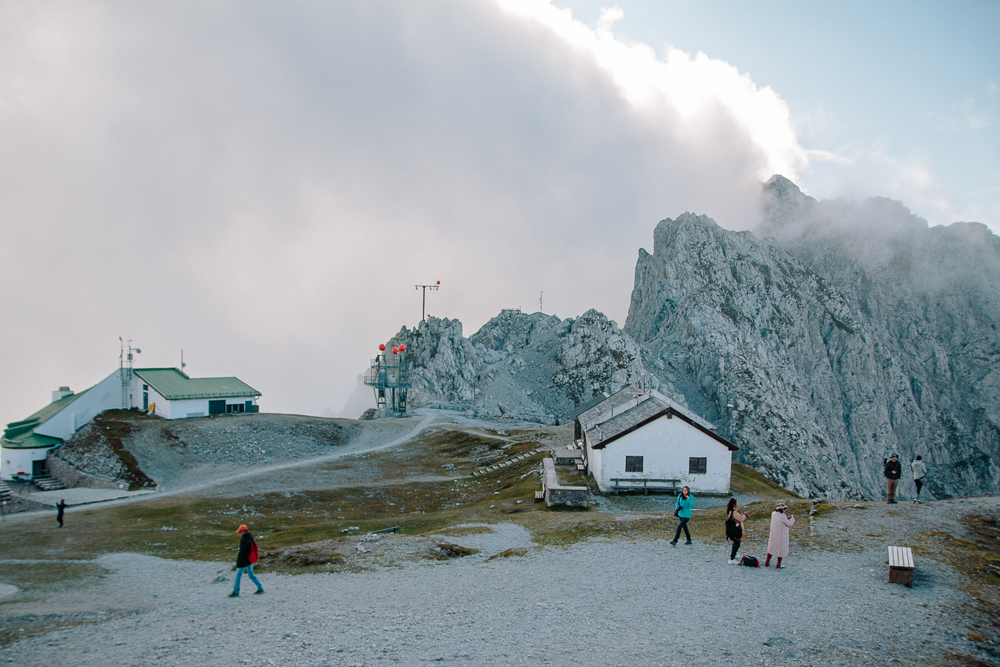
(61, 392)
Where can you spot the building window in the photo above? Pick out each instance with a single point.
(697, 465)
(633, 464)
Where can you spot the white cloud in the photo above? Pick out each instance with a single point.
(693, 85)
(262, 185)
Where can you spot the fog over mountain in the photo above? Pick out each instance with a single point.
(834, 334)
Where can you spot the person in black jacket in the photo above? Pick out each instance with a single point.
(243, 563)
(60, 508)
(892, 473)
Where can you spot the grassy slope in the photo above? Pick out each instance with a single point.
(202, 528)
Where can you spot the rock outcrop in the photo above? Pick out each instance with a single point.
(834, 335)
(529, 366)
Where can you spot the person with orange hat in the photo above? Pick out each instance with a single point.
(245, 560)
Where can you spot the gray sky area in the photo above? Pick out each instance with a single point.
(262, 184)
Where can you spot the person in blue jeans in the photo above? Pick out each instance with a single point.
(684, 505)
(243, 562)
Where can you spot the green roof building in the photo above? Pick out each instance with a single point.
(165, 392)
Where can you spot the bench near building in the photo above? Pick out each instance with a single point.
(172, 394)
(637, 439)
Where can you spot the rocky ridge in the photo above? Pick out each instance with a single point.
(834, 334)
(519, 365)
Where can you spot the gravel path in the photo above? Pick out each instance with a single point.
(600, 602)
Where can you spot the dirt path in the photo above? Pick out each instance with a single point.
(352, 449)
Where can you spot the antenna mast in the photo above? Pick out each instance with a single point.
(423, 306)
(125, 370)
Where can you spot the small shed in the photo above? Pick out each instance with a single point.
(640, 439)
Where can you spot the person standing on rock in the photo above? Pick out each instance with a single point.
(777, 543)
(60, 508)
(244, 562)
(734, 528)
(919, 472)
(892, 472)
(684, 504)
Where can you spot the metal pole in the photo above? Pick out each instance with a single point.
(423, 304)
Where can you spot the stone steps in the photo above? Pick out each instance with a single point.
(504, 464)
(47, 483)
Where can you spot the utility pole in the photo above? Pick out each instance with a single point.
(423, 307)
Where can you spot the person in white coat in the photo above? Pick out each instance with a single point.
(919, 472)
(777, 543)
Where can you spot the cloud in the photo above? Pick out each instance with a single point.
(692, 85)
(262, 184)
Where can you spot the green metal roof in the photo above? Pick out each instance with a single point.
(173, 385)
(21, 435)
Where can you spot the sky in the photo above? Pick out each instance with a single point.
(262, 184)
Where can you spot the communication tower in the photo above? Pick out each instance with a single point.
(125, 367)
(389, 377)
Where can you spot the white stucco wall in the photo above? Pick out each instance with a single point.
(18, 461)
(181, 409)
(105, 395)
(666, 445)
(197, 407)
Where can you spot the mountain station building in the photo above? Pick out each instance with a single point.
(165, 392)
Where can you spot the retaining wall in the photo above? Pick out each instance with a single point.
(556, 494)
(74, 479)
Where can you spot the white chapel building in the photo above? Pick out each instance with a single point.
(637, 439)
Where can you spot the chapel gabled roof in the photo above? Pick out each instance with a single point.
(631, 409)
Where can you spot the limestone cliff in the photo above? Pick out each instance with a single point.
(834, 335)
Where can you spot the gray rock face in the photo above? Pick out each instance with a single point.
(531, 366)
(836, 334)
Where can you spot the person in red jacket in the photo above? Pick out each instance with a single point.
(243, 562)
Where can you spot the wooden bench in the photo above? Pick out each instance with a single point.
(629, 483)
(901, 566)
(539, 496)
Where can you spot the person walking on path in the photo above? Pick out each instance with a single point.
(893, 471)
(243, 562)
(777, 543)
(919, 472)
(60, 508)
(683, 506)
(734, 528)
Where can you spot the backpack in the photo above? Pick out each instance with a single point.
(253, 553)
(749, 561)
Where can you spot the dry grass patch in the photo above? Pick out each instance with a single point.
(510, 553)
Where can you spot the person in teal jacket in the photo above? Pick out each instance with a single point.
(684, 505)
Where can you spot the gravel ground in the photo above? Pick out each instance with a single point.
(201, 451)
(598, 602)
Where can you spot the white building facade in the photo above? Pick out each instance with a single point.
(171, 394)
(639, 439)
